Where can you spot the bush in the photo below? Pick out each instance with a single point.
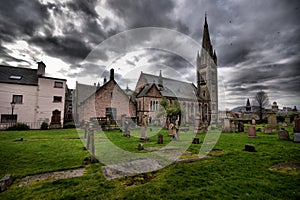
(69, 125)
(44, 126)
(18, 127)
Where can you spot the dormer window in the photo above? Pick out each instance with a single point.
(15, 77)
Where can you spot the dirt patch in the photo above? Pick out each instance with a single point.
(50, 176)
(139, 179)
(216, 152)
(72, 139)
(287, 167)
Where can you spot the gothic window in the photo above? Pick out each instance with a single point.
(150, 105)
(156, 105)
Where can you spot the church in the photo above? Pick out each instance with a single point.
(198, 101)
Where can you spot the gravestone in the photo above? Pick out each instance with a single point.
(253, 122)
(227, 126)
(250, 148)
(268, 130)
(195, 141)
(297, 125)
(251, 132)
(198, 128)
(287, 120)
(240, 127)
(272, 120)
(297, 137)
(126, 129)
(170, 129)
(140, 146)
(160, 139)
(283, 135)
(5, 182)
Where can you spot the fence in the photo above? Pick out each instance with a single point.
(32, 125)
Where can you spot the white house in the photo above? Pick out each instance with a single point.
(28, 96)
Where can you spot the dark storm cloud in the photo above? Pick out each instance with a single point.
(19, 18)
(146, 13)
(87, 7)
(66, 48)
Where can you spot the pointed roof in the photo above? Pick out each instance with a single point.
(172, 88)
(206, 43)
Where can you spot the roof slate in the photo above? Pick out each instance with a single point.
(29, 76)
(172, 88)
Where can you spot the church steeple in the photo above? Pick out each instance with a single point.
(248, 106)
(206, 43)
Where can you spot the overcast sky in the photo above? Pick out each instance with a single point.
(257, 42)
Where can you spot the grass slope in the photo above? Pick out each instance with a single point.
(230, 174)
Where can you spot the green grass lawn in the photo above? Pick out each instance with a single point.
(230, 172)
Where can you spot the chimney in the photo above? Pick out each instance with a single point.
(112, 75)
(41, 69)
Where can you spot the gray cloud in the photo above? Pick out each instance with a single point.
(257, 42)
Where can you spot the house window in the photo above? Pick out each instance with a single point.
(57, 99)
(8, 118)
(111, 95)
(150, 105)
(17, 99)
(140, 105)
(58, 84)
(156, 105)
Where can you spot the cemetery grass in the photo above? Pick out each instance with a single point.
(229, 173)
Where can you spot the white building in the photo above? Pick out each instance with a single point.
(36, 98)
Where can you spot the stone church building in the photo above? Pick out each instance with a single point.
(198, 101)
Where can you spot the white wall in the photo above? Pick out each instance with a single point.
(45, 99)
(26, 111)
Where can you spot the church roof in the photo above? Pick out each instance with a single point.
(171, 87)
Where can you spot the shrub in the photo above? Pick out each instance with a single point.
(69, 125)
(44, 126)
(19, 127)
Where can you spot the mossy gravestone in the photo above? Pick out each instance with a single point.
(283, 135)
(251, 132)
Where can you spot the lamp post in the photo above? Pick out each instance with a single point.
(12, 111)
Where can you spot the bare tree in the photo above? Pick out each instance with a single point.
(261, 100)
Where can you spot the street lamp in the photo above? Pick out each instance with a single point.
(12, 111)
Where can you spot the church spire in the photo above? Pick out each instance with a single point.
(206, 43)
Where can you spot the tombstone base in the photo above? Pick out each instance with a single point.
(297, 137)
(250, 148)
(144, 140)
(195, 141)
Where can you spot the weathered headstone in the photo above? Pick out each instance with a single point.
(268, 130)
(144, 136)
(198, 128)
(170, 129)
(283, 135)
(160, 139)
(251, 132)
(140, 146)
(5, 182)
(195, 141)
(250, 148)
(297, 137)
(126, 129)
(287, 120)
(297, 126)
(240, 127)
(272, 120)
(253, 121)
(227, 126)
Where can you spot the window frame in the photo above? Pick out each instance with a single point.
(57, 101)
(14, 97)
(58, 84)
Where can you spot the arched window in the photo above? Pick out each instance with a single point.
(150, 105)
(156, 105)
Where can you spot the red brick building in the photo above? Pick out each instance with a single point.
(108, 101)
